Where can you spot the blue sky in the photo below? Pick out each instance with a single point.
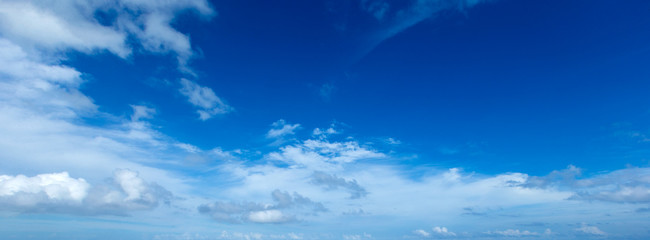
(338, 119)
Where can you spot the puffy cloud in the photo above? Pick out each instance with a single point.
(284, 209)
(204, 99)
(55, 186)
(334, 182)
(59, 193)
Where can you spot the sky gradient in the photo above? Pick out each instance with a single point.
(336, 119)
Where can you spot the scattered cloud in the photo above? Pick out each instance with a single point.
(322, 154)
(436, 232)
(332, 182)
(324, 133)
(204, 99)
(45, 120)
(356, 236)
(442, 231)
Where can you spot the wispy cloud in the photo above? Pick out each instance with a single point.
(326, 90)
(142, 112)
(68, 24)
(280, 130)
(204, 99)
(630, 185)
(393, 20)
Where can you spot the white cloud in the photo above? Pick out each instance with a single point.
(281, 129)
(357, 236)
(322, 134)
(422, 233)
(56, 186)
(322, 154)
(65, 24)
(59, 193)
(59, 27)
(268, 216)
(204, 99)
(443, 231)
(188, 147)
(52, 89)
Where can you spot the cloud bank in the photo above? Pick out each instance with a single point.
(59, 193)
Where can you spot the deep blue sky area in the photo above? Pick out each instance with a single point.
(506, 85)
